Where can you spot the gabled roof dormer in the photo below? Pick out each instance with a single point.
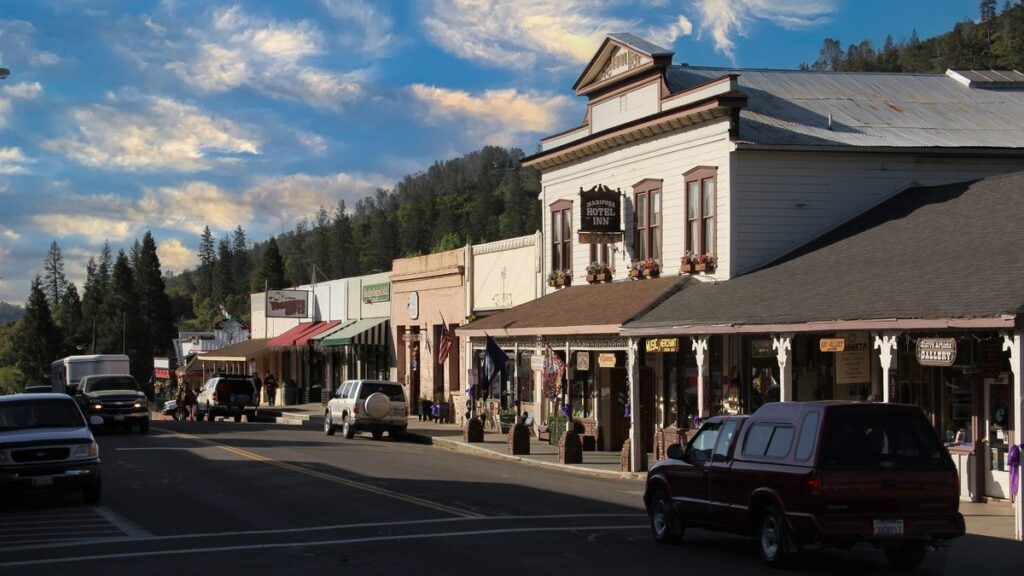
(621, 57)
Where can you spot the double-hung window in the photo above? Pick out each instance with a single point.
(700, 209)
(647, 219)
(561, 235)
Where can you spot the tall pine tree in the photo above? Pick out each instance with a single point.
(38, 341)
(54, 281)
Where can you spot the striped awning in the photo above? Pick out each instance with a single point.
(365, 332)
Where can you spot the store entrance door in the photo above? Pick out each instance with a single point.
(998, 419)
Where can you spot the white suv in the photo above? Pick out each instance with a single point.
(374, 405)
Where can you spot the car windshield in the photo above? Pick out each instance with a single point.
(392, 391)
(880, 440)
(47, 413)
(111, 383)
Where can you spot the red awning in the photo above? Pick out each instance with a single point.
(312, 333)
(291, 336)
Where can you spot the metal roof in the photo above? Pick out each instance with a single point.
(811, 108)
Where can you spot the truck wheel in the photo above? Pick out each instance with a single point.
(347, 430)
(200, 416)
(377, 434)
(92, 493)
(328, 424)
(664, 523)
(771, 537)
(397, 435)
(906, 557)
(238, 417)
(143, 426)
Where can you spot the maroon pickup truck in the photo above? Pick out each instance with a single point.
(801, 475)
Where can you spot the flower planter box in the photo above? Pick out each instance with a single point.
(651, 273)
(595, 278)
(687, 268)
(704, 267)
(559, 283)
(634, 273)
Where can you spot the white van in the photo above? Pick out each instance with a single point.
(66, 373)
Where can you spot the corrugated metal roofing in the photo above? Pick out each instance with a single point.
(790, 107)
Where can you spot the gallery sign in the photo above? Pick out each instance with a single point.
(936, 351)
(606, 360)
(832, 344)
(655, 345)
(600, 215)
(377, 293)
(287, 304)
(853, 364)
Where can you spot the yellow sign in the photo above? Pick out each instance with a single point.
(832, 344)
(606, 360)
(662, 345)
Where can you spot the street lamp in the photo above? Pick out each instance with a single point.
(4, 73)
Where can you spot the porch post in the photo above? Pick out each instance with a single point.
(886, 343)
(1013, 345)
(783, 346)
(634, 406)
(699, 344)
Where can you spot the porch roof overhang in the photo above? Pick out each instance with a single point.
(1004, 322)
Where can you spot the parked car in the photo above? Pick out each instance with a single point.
(45, 443)
(116, 398)
(806, 474)
(38, 388)
(375, 406)
(227, 396)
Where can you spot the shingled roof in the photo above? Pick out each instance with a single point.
(585, 309)
(938, 256)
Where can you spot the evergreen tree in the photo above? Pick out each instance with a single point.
(38, 341)
(54, 281)
(240, 258)
(207, 257)
(117, 330)
(224, 273)
(341, 243)
(69, 319)
(320, 244)
(297, 258)
(94, 298)
(271, 273)
(155, 320)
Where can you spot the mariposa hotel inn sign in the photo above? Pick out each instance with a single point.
(936, 351)
(600, 215)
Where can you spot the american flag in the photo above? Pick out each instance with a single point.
(444, 347)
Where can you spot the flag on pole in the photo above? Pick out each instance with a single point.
(494, 360)
(444, 347)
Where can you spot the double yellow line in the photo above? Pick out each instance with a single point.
(460, 512)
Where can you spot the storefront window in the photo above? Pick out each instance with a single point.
(525, 389)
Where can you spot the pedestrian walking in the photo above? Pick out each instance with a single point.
(271, 383)
(258, 384)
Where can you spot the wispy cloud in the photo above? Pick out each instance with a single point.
(164, 135)
(372, 31)
(493, 116)
(723, 20)
(13, 161)
(96, 229)
(287, 199)
(19, 91)
(192, 206)
(18, 45)
(175, 256)
(276, 58)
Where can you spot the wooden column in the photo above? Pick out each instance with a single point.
(783, 345)
(886, 344)
(700, 348)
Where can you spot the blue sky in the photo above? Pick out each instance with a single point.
(125, 116)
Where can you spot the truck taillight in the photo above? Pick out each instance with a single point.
(213, 397)
(355, 409)
(814, 484)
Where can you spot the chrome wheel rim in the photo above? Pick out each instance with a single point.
(770, 537)
(660, 518)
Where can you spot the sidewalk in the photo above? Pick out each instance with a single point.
(993, 518)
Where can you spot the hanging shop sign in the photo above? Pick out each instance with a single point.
(656, 345)
(537, 362)
(583, 361)
(832, 344)
(377, 293)
(600, 215)
(936, 351)
(606, 360)
(287, 304)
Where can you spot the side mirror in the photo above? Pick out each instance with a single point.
(95, 420)
(676, 452)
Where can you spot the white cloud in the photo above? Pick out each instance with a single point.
(193, 206)
(94, 228)
(287, 199)
(497, 116)
(11, 235)
(165, 136)
(372, 33)
(724, 19)
(518, 34)
(315, 143)
(12, 160)
(272, 57)
(175, 256)
(17, 40)
(20, 91)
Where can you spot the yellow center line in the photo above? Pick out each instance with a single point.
(329, 477)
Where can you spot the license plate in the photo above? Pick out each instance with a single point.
(38, 481)
(118, 417)
(888, 527)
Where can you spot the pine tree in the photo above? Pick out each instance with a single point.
(69, 319)
(341, 243)
(207, 257)
(240, 257)
(271, 273)
(117, 328)
(54, 281)
(94, 298)
(224, 273)
(155, 321)
(38, 341)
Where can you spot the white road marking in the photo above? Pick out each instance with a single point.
(131, 529)
(267, 546)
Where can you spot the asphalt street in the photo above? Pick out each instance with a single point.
(227, 498)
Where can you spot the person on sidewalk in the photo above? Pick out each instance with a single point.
(271, 383)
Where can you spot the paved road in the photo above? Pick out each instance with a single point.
(203, 498)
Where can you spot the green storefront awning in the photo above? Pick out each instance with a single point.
(367, 332)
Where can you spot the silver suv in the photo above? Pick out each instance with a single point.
(373, 405)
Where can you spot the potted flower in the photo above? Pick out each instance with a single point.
(687, 262)
(705, 263)
(651, 268)
(598, 272)
(636, 268)
(559, 278)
